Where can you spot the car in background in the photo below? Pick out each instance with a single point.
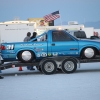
(81, 34)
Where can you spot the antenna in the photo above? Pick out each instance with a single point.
(16, 18)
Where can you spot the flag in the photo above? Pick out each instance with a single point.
(51, 16)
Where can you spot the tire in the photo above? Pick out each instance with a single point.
(49, 67)
(26, 56)
(2, 62)
(69, 66)
(88, 53)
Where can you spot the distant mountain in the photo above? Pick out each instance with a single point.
(63, 23)
(96, 24)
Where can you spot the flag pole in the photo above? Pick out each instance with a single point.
(60, 19)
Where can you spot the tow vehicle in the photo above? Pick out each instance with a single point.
(55, 49)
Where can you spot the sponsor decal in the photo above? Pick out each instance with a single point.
(38, 55)
(71, 53)
(11, 56)
(55, 53)
(49, 54)
(11, 51)
(61, 53)
(76, 52)
(5, 56)
(38, 49)
(26, 44)
(43, 54)
(8, 56)
(35, 44)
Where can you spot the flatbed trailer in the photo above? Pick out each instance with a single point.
(49, 65)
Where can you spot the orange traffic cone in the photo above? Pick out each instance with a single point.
(20, 68)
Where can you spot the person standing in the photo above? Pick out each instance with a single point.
(34, 36)
(1, 77)
(26, 39)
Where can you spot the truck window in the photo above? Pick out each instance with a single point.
(42, 38)
(60, 36)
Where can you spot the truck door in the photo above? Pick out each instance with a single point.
(40, 46)
(63, 44)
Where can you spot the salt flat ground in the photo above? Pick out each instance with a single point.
(84, 84)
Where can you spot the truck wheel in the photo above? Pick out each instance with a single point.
(26, 56)
(88, 53)
(69, 66)
(49, 67)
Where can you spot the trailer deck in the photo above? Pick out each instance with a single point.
(36, 63)
(16, 64)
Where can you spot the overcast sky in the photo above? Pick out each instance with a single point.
(70, 10)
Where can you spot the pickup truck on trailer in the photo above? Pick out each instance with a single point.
(53, 47)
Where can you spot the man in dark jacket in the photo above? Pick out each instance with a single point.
(34, 36)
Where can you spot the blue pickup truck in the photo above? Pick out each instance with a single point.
(50, 44)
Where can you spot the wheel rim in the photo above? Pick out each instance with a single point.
(49, 67)
(89, 53)
(69, 66)
(26, 55)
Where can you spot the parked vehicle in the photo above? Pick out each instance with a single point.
(51, 43)
(15, 31)
(81, 34)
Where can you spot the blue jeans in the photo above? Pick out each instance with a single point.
(29, 67)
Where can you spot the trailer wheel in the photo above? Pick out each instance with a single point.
(26, 56)
(2, 62)
(69, 66)
(88, 53)
(49, 67)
